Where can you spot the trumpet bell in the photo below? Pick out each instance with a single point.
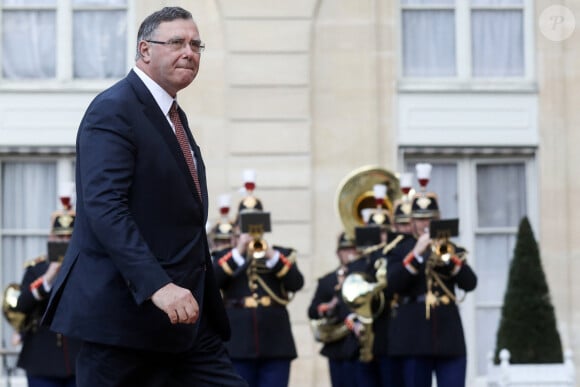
(443, 250)
(257, 248)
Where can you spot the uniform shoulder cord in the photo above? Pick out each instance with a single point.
(271, 293)
(253, 274)
(433, 274)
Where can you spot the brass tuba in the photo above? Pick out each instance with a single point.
(360, 292)
(328, 330)
(355, 193)
(9, 301)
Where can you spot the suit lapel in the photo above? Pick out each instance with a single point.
(159, 122)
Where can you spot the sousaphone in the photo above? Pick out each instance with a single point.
(355, 194)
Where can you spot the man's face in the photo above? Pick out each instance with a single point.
(404, 228)
(172, 69)
(346, 254)
(420, 226)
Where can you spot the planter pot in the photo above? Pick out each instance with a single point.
(530, 375)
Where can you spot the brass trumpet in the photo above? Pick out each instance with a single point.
(442, 250)
(257, 247)
(256, 223)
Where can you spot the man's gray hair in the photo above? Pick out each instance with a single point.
(152, 21)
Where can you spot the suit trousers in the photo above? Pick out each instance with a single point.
(207, 363)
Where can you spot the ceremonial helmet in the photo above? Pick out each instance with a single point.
(224, 228)
(402, 211)
(249, 202)
(424, 204)
(344, 242)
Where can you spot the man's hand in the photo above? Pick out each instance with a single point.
(178, 303)
(354, 325)
(423, 243)
(326, 307)
(243, 242)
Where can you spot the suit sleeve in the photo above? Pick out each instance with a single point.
(106, 152)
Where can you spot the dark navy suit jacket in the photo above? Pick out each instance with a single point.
(140, 225)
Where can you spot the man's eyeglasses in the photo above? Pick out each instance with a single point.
(179, 44)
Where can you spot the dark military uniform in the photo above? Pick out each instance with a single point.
(442, 333)
(342, 354)
(381, 370)
(45, 356)
(427, 342)
(255, 298)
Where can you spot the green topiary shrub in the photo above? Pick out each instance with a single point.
(528, 323)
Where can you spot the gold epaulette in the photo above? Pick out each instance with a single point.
(392, 245)
(34, 261)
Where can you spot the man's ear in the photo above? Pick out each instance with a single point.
(144, 48)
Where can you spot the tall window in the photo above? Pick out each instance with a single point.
(501, 204)
(463, 38)
(428, 38)
(63, 39)
(489, 196)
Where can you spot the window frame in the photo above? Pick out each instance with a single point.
(464, 81)
(64, 81)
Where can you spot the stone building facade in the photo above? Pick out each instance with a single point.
(306, 91)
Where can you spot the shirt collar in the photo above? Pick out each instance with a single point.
(163, 99)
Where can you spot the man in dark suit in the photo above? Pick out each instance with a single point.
(137, 284)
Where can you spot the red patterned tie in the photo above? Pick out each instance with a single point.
(184, 145)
